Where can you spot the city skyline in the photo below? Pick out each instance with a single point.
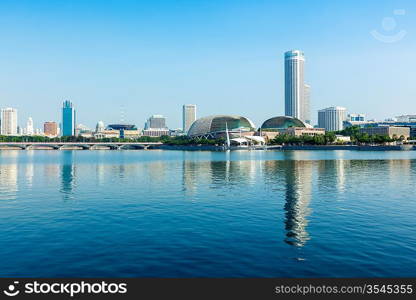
(98, 55)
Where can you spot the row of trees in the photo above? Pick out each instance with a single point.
(169, 140)
(286, 139)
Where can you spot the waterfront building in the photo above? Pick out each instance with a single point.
(107, 134)
(332, 118)
(300, 131)
(406, 118)
(125, 130)
(156, 122)
(188, 116)
(296, 98)
(216, 126)
(287, 125)
(8, 121)
(68, 119)
(355, 120)
(156, 132)
(50, 129)
(29, 127)
(391, 131)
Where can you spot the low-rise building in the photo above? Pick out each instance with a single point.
(391, 131)
(132, 134)
(106, 134)
(155, 132)
(343, 139)
(299, 131)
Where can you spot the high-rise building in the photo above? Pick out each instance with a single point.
(50, 129)
(68, 119)
(332, 118)
(29, 127)
(306, 115)
(9, 121)
(295, 85)
(188, 116)
(156, 122)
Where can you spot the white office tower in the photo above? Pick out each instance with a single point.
(188, 116)
(295, 84)
(306, 111)
(332, 118)
(156, 122)
(8, 121)
(29, 127)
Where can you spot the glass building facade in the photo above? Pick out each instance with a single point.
(276, 123)
(216, 124)
(68, 119)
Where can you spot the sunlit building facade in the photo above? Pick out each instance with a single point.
(8, 121)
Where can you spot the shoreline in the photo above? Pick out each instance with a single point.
(270, 148)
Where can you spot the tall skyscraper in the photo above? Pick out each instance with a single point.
(332, 118)
(295, 85)
(50, 129)
(306, 116)
(156, 122)
(188, 116)
(68, 119)
(9, 121)
(29, 126)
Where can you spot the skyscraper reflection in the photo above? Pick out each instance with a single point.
(8, 176)
(298, 197)
(296, 177)
(68, 174)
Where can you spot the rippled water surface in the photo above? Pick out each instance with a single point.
(207, 214)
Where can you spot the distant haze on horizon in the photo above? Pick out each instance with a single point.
(227, 57)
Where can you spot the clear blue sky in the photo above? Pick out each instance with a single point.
(225, 56)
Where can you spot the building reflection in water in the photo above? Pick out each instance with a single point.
(218, 174)
(9, 175)
(190, 171)
(400, 172)
(332, 175)
(296, 177)
(68, 174)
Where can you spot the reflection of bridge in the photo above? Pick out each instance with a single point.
(80, 145)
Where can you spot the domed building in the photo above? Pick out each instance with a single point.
(287, 125)
(215, 126)
(279, 123)
(100, 127)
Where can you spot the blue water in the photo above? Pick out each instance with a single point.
(207, 214)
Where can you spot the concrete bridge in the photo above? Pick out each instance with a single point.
(80, 145)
